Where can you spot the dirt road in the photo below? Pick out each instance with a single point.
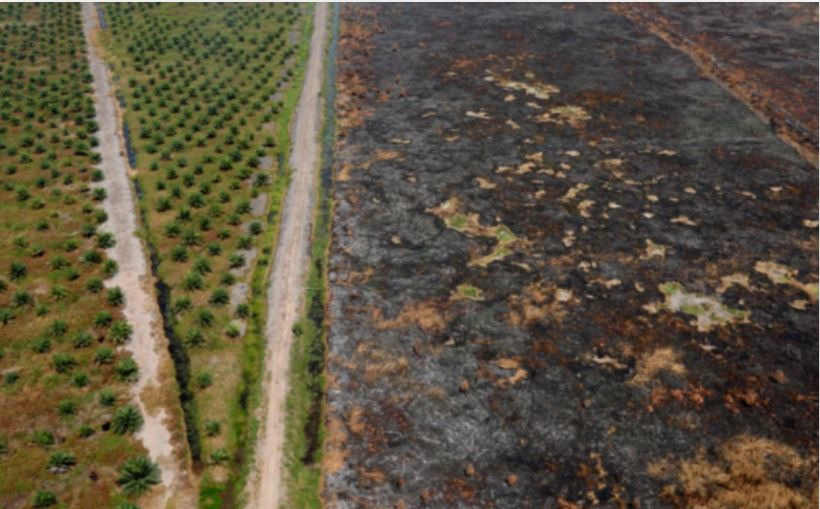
(148, 345)
(287, 279)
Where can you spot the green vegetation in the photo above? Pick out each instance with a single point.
(708, 312)
(207, 92)
(470, 292)
(243, 428)
(137, 475)
(44, 499)
(52, 269)
(127, 420)
(451, 213)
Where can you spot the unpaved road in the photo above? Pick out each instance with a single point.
(288, 275)
(148, 345)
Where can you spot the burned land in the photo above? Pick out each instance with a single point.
(571, 267)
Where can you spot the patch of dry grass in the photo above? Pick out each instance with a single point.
(661, 360)
(429, 315)
(749, 472)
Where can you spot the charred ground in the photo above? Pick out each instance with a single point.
(765, 54)
(567, 270)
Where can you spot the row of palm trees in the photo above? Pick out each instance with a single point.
(202, 87)
(60, 327)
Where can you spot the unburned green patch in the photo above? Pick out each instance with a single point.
(707, 311)
(468, 292)
(532, 87)
(572, 115)
(455, 218)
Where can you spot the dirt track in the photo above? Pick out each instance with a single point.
(287, 279)
(147, 346)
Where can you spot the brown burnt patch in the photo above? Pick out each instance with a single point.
(357, 27)
(335, 454)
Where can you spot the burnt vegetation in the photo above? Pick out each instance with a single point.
(567, 269)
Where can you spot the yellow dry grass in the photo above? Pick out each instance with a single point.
(539, 302)
(661, 360)
(428, 315)
(750, 472)
(335, 453)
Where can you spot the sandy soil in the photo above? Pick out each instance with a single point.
(287, 279)
(147, 346)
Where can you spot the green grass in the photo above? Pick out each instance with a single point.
(211, 495)
(304, 428)
(465, 291)
(302, 457)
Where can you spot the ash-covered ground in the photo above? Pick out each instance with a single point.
(568, 270)
(765, 53)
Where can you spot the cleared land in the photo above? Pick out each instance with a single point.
(568, 269)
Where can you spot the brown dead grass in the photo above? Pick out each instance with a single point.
(750, 472)
(379, 364)
(471, 65)
(371, 478)
(539, 303)
(335, 453)
(514, 365)
(385, 155)
(376, 370)
(428, 315)
(662, 359)
(355, 420)
(357, 27)
(575, 116)
(343, 175)
(359, 278)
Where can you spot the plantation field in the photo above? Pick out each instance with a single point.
(207, 92)
(66, 424)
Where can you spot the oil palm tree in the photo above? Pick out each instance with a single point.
(138, 475)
